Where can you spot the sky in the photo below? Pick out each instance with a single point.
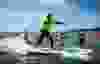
(16, 14)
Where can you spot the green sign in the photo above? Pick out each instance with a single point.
(72, 48)
(97, 44)
(71, 39)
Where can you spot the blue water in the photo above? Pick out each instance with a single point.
(17, 13)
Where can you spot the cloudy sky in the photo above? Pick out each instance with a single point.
(16, 13)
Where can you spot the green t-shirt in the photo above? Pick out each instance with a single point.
(48, 24)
